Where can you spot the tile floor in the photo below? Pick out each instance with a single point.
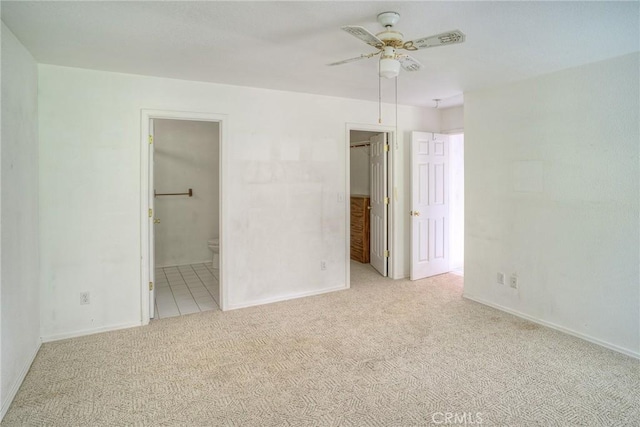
(185, 289)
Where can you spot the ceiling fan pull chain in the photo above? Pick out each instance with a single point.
(379, 99)
(396, 136)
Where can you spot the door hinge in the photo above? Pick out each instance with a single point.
(150, 139)
(386, 254)
(150, 286)
(386, 147)
(386, 200)
(150, 212)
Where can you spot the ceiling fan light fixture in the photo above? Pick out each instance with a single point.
(389, 67)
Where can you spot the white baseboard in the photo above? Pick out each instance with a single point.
(83, 332)
(284, 298)
(13, 390)
(551, 325)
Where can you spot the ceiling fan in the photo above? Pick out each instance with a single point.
(389, 41)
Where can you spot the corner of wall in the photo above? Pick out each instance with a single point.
(19, 210)
(8, 396)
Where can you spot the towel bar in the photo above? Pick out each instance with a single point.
(189, 193)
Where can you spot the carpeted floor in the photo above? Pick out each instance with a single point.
(384, 353)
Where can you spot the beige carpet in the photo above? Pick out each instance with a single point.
(384, 353)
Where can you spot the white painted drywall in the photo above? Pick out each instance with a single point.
(285, 166)
(452, 119)
(359, 175)
(360, 162)
(456, 206)
(551, 193)
(185, 156)
(19, 289)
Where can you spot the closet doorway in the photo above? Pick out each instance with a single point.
(369, 202)
(182, 227)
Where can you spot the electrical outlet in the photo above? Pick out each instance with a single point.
(323, 265)
(513, 282)
(500, 278)
(84, 298)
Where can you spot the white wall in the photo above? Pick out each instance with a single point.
(452, 119)
(552, 194)
(359, 174)
(185, 156)
(360, 162)
(284, 167)
(19, 290)
(456, 207)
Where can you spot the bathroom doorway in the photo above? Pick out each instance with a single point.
(370, 216)
(186, 226)
(183, 227)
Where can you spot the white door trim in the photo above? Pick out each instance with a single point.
(151, 262)
(145, 189)
(393, 144)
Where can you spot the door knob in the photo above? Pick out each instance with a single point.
(156, 221)
(368, 207)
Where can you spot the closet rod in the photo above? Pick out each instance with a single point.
(360, 145)
(189, 193)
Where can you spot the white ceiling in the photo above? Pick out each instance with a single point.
(285, 45)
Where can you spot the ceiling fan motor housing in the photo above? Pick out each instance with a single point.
(391, 38)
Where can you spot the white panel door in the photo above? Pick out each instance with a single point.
(152, 214)
(378, 200)
(429, 204)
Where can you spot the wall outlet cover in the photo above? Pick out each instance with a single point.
(84, 298)
(513, 282)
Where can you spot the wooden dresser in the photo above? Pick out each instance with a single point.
(360, 228)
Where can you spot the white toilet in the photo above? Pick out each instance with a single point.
(214, 246)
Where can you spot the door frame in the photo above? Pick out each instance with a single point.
(146, 189)
(393, 145)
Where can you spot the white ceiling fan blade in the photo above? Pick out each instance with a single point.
(449, 37)
(409, 63)
(357, 58)
(364, 35)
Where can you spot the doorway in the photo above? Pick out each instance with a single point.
(369, 213)
(186, 216)
(182, 213)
